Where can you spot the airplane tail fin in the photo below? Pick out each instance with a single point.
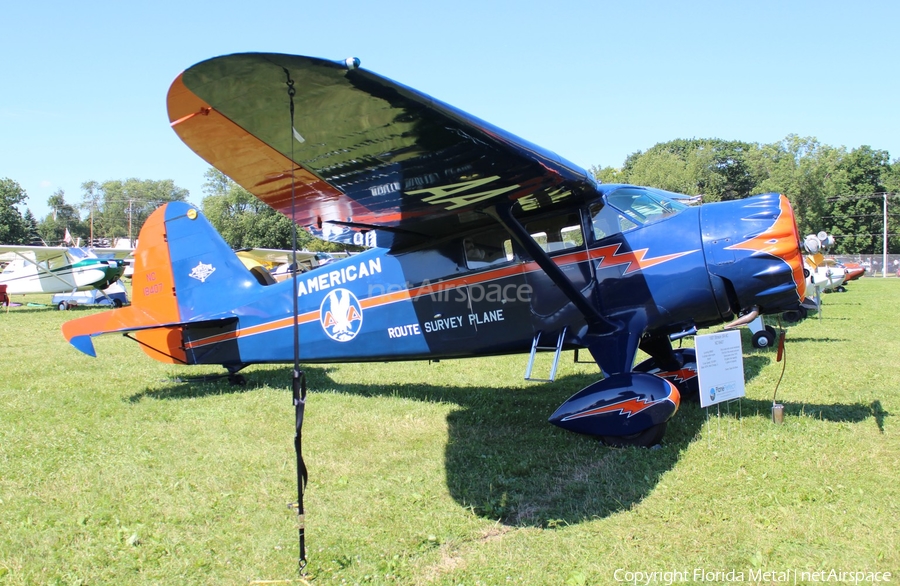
(185, 276)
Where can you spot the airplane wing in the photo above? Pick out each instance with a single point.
(274, 257)
(119, 253)
(33, 254)
(368, 153)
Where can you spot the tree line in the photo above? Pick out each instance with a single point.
(830, 188)
(118, 209)
(833, 189)
(108, 210)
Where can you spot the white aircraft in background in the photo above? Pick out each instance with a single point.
(825, 273)
(56, 269)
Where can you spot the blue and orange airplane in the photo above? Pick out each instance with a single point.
(481, 243)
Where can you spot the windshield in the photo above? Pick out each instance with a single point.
(644, 205)
(78, 254)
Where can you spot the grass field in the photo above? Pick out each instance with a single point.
(113, 472)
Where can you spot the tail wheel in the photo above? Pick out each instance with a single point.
(643, 439)
(765, 338)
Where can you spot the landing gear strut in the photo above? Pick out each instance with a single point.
(682, 374)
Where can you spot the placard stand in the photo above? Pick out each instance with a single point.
(720, 370)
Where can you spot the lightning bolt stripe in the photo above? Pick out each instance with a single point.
(628, 407)
(683, 375)
(635, 260)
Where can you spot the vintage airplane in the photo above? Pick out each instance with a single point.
(278, 264)
(825, 274)
(56, 269)
(852, 270)
(485, 245)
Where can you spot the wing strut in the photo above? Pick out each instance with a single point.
(597, 324)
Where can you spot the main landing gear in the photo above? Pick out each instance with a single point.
(626, 409)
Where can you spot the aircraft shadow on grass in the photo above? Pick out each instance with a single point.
(504, 461)
(26, 309)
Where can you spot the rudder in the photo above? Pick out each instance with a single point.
(184, 275)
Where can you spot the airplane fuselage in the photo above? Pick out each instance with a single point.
(446, 300)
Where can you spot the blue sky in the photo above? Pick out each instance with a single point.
(83, 85)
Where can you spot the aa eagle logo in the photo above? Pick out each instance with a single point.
(340, 315)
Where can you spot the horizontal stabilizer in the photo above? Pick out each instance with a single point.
(186, 282)
(126, 319)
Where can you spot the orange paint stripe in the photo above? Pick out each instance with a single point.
(630, 406)
(422, 290)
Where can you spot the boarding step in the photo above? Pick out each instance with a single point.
(535, 346)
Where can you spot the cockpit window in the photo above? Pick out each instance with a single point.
(607, 221)
(557, 233)
(78, 254)
(484, 250)
(643, 205)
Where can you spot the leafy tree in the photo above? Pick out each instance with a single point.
(664, 169)
(244, 221)
(856, 215)
(63, 216)
(608, 174)
(892, 177)
(715, 168)
(13, 228)
(803, 169)
(119, 209)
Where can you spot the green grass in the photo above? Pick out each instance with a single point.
(113, 472)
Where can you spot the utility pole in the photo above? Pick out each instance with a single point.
(884, 258)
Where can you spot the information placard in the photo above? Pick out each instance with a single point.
(720, 367)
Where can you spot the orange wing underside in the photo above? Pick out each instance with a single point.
(257, 167)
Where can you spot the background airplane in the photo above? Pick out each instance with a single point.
(277, 262)
(56, 269)
(486, 244)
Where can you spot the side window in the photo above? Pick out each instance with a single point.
(483, 250)
(557, 233)
(643, 205)
(606, 221)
